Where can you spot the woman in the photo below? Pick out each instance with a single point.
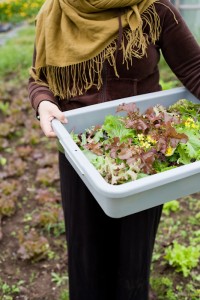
(87, 52)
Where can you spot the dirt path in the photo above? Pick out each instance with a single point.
(4, 36)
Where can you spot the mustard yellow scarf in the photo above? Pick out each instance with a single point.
(75, 37)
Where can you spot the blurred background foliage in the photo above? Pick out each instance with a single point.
(19, 10)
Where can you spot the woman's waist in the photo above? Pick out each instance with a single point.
(112, 89)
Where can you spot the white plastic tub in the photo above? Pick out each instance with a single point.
(128, 198)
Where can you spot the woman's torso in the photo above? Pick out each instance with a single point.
(139, 78)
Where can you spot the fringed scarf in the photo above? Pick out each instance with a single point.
(75, 37)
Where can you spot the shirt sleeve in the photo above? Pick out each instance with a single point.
(38, 93)
(179, 48)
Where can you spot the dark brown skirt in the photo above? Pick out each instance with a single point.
(108, 259)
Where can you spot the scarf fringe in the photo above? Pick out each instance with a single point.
(70, 81)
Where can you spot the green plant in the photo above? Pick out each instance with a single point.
(182, 258)
(192, 291)
(16, 11)
(3, 161)
(163, 286)
(50, 218)
(33, 246)
(28, 217)
(195, 238)
(4, 108)
(59, 279)
(46, 176)
(167, 78)
(7, 290)
(195, 220)
(171, 206)
(64, 295)
(5, 297)
(52, 255)
(57, 229)
(7, 205)
(169, 84)
(16, 57)
(9, 187)
(32, 277)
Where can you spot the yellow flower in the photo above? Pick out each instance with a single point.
(189, 123)
(189, 120)
(194, 126)
(145, 145)
(151, 140)
(141, 137)
(34, 5)
(169, 151)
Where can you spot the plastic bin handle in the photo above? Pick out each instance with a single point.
(74, 161)
(68, 144)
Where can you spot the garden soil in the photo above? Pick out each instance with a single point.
(33, 252)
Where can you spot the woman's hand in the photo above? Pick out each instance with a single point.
(47, 112)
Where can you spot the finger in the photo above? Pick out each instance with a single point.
(51, 134)
(49, 109)
(45, 124)
(58, 114)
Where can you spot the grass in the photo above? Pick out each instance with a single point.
(16, 56)
(168, 79)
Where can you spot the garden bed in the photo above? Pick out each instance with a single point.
(29, 186)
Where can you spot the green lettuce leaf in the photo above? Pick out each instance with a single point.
(114, 127)
(186, 108)
(191, 150)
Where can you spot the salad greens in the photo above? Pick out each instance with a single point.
(126, 148)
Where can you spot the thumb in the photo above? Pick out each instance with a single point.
(58, 114)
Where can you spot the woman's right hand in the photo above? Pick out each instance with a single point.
(47, 112)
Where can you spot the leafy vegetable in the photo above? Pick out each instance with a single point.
(186, 108)
(114, 127)
(126, 148)
(182, 258)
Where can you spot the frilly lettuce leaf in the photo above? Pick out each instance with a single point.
(186, 108)
(114, 127)
(190, 150)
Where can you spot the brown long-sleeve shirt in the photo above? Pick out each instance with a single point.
(179, 48)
